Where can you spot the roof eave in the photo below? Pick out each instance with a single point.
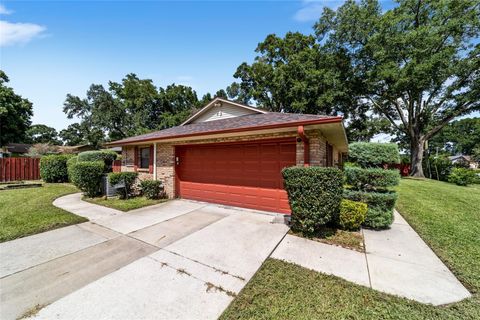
(250, 128)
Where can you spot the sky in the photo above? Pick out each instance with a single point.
(51, 48)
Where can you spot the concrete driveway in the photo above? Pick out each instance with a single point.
(178, 260)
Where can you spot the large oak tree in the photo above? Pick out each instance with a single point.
(418, 62)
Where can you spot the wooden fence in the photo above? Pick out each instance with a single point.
(14, 169)
(117, 166)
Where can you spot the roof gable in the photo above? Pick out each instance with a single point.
(220, 108)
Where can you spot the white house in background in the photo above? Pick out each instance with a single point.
(464, 160)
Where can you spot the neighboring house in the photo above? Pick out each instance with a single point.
(14, 149)
(464, 160)
(233, 154)
(75, 149)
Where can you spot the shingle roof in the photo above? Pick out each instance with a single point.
(242, 123)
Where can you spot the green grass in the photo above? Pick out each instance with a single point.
(447, 218)
(124, 205)
(25, 212)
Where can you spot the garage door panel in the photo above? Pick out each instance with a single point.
(246, 175)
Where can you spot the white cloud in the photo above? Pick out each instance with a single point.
(4, 10)
(18, 33)
(312, 10)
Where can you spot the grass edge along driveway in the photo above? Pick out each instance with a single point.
(445, 215)
(25, 212)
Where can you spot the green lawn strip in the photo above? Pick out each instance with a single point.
(282, 290)
(446, 216)
(25, 212)
(124, 204)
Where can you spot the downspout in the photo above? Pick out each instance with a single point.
(306, 146)
(155, 161)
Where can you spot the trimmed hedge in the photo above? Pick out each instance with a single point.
(371, 178)
(97, 155)
(352, 214)
(127, 178)
(368, 154)
(87, 176)
(462, 176)
(380, 206)
(314, 194)
(53, 168)
(152, 189)
(73, 160)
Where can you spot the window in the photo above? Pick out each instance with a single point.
(329, 155)
(144, 158)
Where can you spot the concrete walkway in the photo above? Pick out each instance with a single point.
(177, 260)
(397, 261)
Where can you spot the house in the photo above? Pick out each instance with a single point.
(14, 149)
(233, 154)
(463, 160)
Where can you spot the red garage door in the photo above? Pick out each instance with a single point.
(244, 175)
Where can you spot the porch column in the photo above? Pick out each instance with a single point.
(155, 161)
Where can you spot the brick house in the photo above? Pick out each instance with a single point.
(233, 154)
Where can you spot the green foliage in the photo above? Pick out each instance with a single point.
(314, 194)
(371, 178)
(127, 178)
(370, 154)
(106, 156)
(87, 176)
(462, 176)
(73, 160)
(352, 214)
(380, 206)
(15, 114)
(419, 72)
(458, 137)
(437, 168)
(132, 107)
(53, 168)
(152, 189)
(40, 133)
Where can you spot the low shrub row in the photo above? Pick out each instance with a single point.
(371, 178)
(462, 176)
(368, 154)
(127, 179)
(380, 206)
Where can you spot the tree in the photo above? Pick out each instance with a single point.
(458, 137)
(131, 107)
(81, 133)
(15, 113)
(418, 64)
(298, 74)
(40, 133)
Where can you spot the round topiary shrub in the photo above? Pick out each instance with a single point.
(125, 178)
(152, 189)
(53, 168)
(352, 214)
(87, 176)
(314, 194)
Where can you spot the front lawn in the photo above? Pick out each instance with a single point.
(445, 215)
(25, 212)
(124, 204)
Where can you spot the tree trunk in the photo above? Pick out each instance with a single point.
(416, 157)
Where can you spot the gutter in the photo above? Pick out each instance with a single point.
(250, 128)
